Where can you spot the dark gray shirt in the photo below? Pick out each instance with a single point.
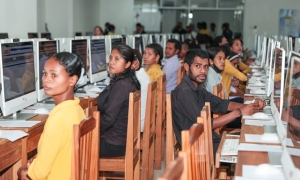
(188, 101)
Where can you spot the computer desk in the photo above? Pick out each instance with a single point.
(15, 154)
(256, 158)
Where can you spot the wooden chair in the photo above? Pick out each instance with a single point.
(177, 169)
(160, 121)
(130, 163)
(85, 151)
(294, 97)
(148, 136)
(193, 143)
(180, 74)
(85, 102)
(172, 146)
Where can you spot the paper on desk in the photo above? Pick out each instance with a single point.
(18, 123)
(264, 119)
(259, 122)
(248, 171)
(12, 135)
(256, 138)
(259, 147)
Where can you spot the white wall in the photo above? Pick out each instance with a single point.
(85, 15)
(18, 17)
(119, 13)
(41, 15)
(169, 20)
(265, 15)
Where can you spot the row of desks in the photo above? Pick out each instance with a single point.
(256, 158)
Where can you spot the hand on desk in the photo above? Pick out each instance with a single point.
(250, 109)
(261, 103)
(22, 172)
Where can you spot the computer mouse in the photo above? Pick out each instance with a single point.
(269, 137)
(259, 91)
(267, 170)
(260, 115)
(41, 111)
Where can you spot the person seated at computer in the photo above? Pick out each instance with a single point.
(231, 71)
(53, 160)
(98, 31)
(152, 56)
(250, 57)
(28, 78)
(184, 49)
(113, 102)
(144, 80)
(111, 28)
(219, 41)
(217, 63)
(189, 97)
(237, 47)
(173, 47)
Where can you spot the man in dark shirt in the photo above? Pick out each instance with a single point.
(189, 97)
(227, 32)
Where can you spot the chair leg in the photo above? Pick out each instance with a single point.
(163, 141)
(158, 146)
(136, 172)
(151, 162)
(145, 160)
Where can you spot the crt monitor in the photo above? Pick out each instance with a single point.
(17, 78)
(3, 35)
(32, 35)
(44, 50)
(97, 56)
(46, 35)
(138, 43)
(79, 47)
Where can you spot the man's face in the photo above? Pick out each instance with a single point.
(198, 70)
(170, 50)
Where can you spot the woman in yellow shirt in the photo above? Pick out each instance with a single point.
(153, 55)
(53, 161)
(236, 46)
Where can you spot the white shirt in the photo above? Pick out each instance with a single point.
(144, 80)
(213, 78)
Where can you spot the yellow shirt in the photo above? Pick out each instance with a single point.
(277, 77)
(53, 160)
(204, 32)
(244, 68)
(154, 72)
(227, 74)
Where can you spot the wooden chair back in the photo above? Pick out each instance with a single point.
(160, 121)
(85, 151)
(171, 143)
(294, 97)
(218, 90)
(206, 120)
(130, 163)
(85, 102)
(177, 170)
(193, 143)
(180, 74)
(148, 139)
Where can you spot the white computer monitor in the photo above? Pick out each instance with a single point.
(97, 57)
(268, 55)
(80, 48)
(263, 52)
(269, 70)
(138, 43)
(152, 39)
(17, 78)
(145, 40)
(43, 51)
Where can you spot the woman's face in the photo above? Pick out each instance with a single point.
(117, 63)
(237, 47)
(56, 80)
(235, 62)
(150, 57)
(219, 60)
(97, 32)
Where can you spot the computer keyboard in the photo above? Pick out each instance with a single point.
(230, 147)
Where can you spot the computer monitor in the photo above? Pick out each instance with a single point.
(137, 43)
(46, 35)
(97, 56)
(80, 48)
(78, 33)
(263, 52)
(3, 35)
(43, 51)
(17, 79)
(124, 39)
(32, 35)
(152, 39)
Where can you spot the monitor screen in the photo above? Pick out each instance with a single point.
(98, 55)
(32, 35)
(3, 35)
(115, 42)
(137, 43)
(79, 47)
(46, 50)
(153, 38)
(124, 40)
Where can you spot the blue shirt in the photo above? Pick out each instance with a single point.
(171, 70)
